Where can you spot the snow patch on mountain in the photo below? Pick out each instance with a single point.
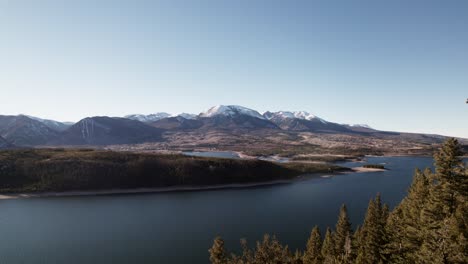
(291, 115)
(360, 125)
(148, 118)
(87, 128)
(187, 116)
(231, 110)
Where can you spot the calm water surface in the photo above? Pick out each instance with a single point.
(179, 227)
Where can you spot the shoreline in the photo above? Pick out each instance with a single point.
(145, 190)
(26, 195)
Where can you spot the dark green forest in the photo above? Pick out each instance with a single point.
(428, 226)
(42, 170)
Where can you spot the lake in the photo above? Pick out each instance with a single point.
(179, 227)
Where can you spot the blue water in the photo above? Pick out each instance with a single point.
(179, 227)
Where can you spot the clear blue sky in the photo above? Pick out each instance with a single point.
(396, 65)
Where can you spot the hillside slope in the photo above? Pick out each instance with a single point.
(106, 131)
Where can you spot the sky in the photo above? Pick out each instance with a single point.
(394, 65)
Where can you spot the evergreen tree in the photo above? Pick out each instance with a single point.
(450, 174)
(433, 227)
(443, 234)
(378, 205)
(328, 248)
(313, 254)
(298, 257)
(218, 253)
(459, 233)
(342, 234)
(396, 249)
(349, 255)
(270, 250)
(357, 238)
(372, 233)
(247, 255)
(404, 225)
(385, 213)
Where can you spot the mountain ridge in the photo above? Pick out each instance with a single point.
(148, 118)
(215, 127)
(22, 130)
(52, 124)
(103, 130)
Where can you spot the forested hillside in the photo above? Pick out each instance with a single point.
(41, 170)
(428, 226)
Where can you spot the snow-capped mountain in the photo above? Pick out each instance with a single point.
(178, 123)
(55, 125)
(292, 115)
(302, 121)
(232, 117)
(230, 110)
(187, 116)
(148, 118)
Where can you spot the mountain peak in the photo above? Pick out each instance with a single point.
(186, 116)
(231, 110)
(104, 130)
(148, 118)
(293, 115)
(305, 115)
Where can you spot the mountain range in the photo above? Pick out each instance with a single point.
(232, 117)
(236, 121)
